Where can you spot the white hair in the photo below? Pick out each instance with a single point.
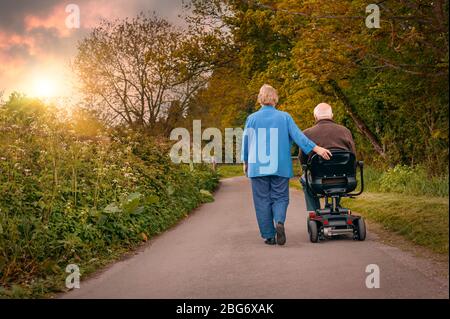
(267, 95)
(323, 111)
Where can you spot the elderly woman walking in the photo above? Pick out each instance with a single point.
(266, 154)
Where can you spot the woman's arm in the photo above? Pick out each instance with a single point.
(244, 150)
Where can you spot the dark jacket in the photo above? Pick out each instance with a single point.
(328, 134)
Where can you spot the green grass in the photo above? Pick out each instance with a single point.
(295, 183)
(227, 171)
(420, 219)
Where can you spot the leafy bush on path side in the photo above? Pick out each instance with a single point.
(73, 192)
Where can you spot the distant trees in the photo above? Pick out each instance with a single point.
(389, 85)
(142, 72)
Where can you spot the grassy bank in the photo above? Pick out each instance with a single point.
(408, 202)
(73, 192)
(421, 219)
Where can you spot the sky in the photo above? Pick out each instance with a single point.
(37, 46)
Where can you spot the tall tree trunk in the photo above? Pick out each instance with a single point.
(362, 127)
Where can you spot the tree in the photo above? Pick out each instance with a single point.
(388, 85)
(134, 71)
(225, 102)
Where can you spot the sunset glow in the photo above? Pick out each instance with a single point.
(37, 46)
(45, 87)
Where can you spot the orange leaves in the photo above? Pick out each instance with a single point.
(144, 237)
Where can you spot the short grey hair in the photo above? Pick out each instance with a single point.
(268, 95)
(323, 111)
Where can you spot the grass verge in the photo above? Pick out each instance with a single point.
(227, 171)
(423, 220)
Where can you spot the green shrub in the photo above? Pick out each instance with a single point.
(371, 179)
(405, 180)
(413, 181)
(74, 192)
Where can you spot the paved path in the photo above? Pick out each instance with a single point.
(217, 253)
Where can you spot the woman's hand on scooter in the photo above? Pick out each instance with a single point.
(323, 152)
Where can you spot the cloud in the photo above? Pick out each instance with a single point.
(33, 33)
(12, 13)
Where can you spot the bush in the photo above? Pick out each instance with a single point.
(413, 181)
(74, 192)
(405, 180)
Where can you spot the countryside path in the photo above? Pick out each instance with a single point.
(217, 253)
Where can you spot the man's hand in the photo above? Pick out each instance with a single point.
(245, 168)
(323, 152)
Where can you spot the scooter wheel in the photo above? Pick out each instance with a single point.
(307, 223)
(313, 232)
(361, 229)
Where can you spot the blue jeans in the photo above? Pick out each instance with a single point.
(271, 199)
(312, 202)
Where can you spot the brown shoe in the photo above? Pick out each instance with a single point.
(281, 235)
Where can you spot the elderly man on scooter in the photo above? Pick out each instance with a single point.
(329, 135)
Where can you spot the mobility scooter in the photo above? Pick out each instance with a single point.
(332, 180)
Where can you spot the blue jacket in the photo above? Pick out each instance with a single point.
(267, 142)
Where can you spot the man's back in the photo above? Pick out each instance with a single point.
(329, 135)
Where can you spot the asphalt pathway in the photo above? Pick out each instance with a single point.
(217, 252)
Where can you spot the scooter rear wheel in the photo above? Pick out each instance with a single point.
(313, 231)
(361, 229)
